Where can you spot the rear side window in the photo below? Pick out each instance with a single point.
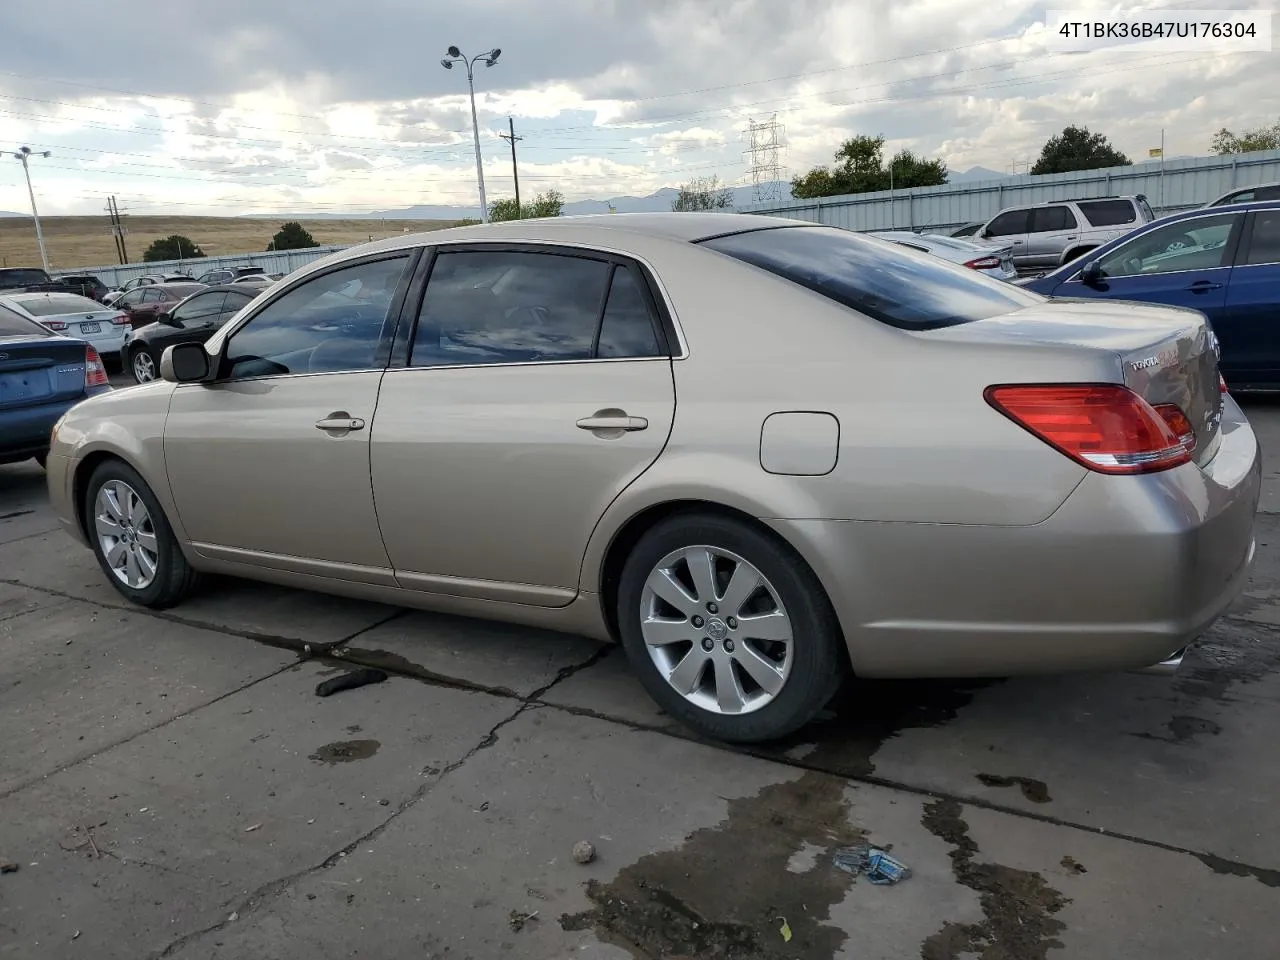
(1049, 219)
(1108, 213)
(1010, 223)
(1264, 239)
(903, 289)
(626, 330)
(14, 325)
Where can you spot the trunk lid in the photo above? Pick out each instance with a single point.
(35, 369)
(89, 323)
(1165, 354)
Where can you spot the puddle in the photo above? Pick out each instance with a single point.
(345, 751)
(1018, 906)
(869, 713)
(726, 891)
(1034, 790)
(1231, 653)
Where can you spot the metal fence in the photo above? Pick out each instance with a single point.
(277, 261)
(1177, 185)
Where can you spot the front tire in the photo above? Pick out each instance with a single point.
(132, 539)
(142, 364)
(728, 629)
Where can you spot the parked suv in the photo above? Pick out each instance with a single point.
(229, 274)
(1048, 235)
(31, 280)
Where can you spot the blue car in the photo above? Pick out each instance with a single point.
(42, 376)
(1223, 261)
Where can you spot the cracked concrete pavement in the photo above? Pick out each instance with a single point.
(170, 786)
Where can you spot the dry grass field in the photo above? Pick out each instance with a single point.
(87, 242)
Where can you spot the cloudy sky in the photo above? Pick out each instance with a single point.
(317, 106)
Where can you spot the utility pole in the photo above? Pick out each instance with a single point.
(515, 172)
(117, 234)
(24, 154)
(115, 212)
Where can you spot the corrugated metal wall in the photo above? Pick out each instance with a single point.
(1185, 184)
(277, 261)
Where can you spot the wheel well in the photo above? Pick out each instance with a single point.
(635, 528)
(80, 482)
(1075, 253)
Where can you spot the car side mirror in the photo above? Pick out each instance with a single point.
(162, 316)
(1091, 273)
(185, 363)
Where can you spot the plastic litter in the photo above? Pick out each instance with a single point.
(871, 862)
(785, 930)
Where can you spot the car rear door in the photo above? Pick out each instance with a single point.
(1052, 230)
(1011, 227)
(536, 386)
(1249, 327)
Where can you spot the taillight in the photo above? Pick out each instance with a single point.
(983, 263)
(95, 372)
(120, 319)
(1222, 384)
(1105, 427)
(54, 324)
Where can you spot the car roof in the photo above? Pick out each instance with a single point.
(1214, 211)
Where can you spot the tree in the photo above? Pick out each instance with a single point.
(292, 236)
(860, 168)
(173, 247)
(1077, 149)
(547, 204)
(1264, 138)
(702, 193)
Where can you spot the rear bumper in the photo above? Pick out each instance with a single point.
(25, 431)
(1124, 575)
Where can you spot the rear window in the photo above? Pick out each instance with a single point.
(55, 304)
(15, 325)
(890, 284)
(22, 278)
(1108, 213)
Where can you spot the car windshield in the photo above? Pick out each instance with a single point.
(893, 285)
(15, 325)
(56, 304)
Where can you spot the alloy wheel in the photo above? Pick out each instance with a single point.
(144, 367)
(126, 534)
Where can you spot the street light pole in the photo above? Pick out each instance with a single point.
(24, 154)
(490, 58)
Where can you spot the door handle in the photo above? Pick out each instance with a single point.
(1201, 285)
(341, 421)
(1068, 238)
(615, 422)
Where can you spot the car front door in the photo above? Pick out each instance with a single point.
(537, 386)
(1186, 263)
(130, 303)
(1249, 327)
(1011, 227)
(269, 461)
(1052, 230)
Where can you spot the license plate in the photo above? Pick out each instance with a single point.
(17, 387)
(91, 327)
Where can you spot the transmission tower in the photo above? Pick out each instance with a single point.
(765, 158)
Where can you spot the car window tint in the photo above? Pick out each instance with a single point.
(1048, 219)
(14, 325)
(509, 307)
(328, 324)
(1010, 223)
(1108, 213)
(1196, 244)
(627, 327)
(151, 295)
(1264, 239)
(896, 287)
(200, 307)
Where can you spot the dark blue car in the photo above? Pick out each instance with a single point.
(42, 375)
(1222, 261)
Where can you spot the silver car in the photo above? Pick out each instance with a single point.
(760, 453)
(75, 316)
(985, 256)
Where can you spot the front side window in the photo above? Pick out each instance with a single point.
(1264, 238)
(1196, 244)
(1010, 223)
(893, 286)
(329, 324)
(152, 295)
(132, 298)
(1051, 219)
(199, 308)
(1108, 213)
(487, 306)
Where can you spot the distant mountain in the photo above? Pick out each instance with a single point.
(974, 174)
(10, 213)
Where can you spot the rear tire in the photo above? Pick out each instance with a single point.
(132, 539)
(143, 365)
(748, 665)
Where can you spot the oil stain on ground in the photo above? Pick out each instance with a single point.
(869, 714)
(1018, 906)
(345, 751)
(725, 893)
(1034, 790)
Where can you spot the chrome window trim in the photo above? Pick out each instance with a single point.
(1074, 278)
